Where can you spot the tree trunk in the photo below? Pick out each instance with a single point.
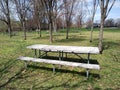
(101, 36)
(67, 29)
(55, 25)
(91, 35)
(24, 29)
(40, 31)
(8, 18)
(39, 28)
(50, 27)
(9, 29)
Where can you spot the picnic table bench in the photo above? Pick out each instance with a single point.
(61, 50)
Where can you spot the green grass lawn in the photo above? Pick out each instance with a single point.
(39, 76)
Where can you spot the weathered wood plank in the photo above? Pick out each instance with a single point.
(70, 49)
(66, 63)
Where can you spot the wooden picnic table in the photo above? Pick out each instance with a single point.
(61, 50)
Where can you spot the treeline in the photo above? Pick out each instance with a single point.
(37, 14)
(112, 22)
(55, 14)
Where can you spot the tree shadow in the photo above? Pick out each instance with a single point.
(109, 44)
(66, 84)
(64, 71)
(43, 37)
(73, 38)
(13, 78)
(79, 60)
(6, 67)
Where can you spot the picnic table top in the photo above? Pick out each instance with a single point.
(69, 49)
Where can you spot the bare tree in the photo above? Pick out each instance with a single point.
(104, 13)
(5, 14)
(95, 4)
(57, 10)
(22, 7)
(68, 6)
(81, 12)
(39, 13)
(55, 13)
(118, 23)
(109, 23)
(49, 5)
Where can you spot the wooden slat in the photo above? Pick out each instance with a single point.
(70, 49)
(66, 63)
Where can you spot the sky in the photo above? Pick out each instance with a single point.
(114, 13)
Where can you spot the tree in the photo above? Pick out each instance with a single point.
(49, 5)
(109, 23)
(118, 22)
(39, 13)
(104, 13)
(5, 14)
(68, 6)
(95, 4)
(81, 12)
(22, 6)
(57, 13)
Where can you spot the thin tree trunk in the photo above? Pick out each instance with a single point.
(10, 30)
(91, 35)
(50, 27)
(40, 31)
(55, 25)
(24, 30)
(95, 4)
(39, 28)
(101, 36)
(67, 31)
(8, 18)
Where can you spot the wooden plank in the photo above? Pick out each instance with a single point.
(70, 49)
(66, 63)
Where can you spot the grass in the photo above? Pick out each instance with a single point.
(39, 76)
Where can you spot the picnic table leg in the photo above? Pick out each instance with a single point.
(87, 72)
(35, 53)
(60, 57)
(39, 53)
(46, 53)
(88, 58)
(53, 69)
(26, 64)
(66, 55)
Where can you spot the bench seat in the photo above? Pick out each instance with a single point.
(58, 62)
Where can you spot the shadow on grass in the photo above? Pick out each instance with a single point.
(5, 70)
(64, 71)
(11, 79)
(109, 44)
(6, 67)
(81, 60)
(43, 37)
(65, 84)
(72, 39)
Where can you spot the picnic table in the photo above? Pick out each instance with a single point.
(61, 50)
